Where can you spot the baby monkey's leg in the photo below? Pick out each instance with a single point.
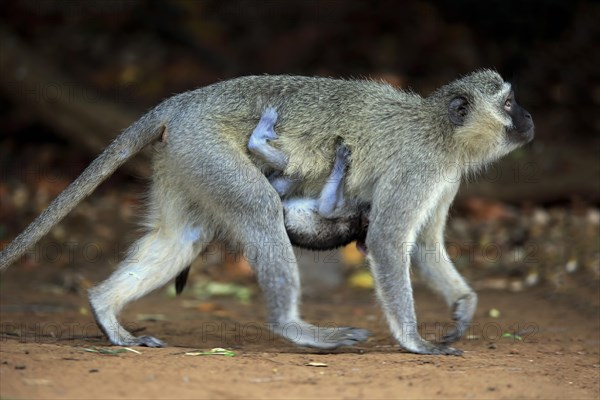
(331, 200)
(258, 142)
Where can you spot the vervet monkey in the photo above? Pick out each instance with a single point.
(207, 186)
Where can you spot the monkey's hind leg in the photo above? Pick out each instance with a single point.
(259, 229)
(277, 274)
(155, 259)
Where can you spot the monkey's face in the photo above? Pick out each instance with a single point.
(486, 120)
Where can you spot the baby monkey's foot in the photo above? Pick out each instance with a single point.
(342, 152)
(262, 134)
(264, 130)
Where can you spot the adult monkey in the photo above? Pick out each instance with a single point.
(400, 143)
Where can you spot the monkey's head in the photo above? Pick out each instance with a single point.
(484, 120)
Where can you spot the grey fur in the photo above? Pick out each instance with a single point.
(207, 186)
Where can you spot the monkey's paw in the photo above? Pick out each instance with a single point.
(425, 347)
(147, 341)
(463, 311)
(343, 152)
(331, 338)
(304, 334)
(264, 130)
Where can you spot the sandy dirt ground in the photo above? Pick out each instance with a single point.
(45, 337)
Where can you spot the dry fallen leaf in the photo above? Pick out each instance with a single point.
(316, 364)
(217, 351)
(361, 279)
(351, 255)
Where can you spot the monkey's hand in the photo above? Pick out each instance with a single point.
(147, 341)
(463, 310)
(425, 347)
(264, 130)
(308, 335)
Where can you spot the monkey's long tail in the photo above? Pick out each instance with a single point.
(133, 139)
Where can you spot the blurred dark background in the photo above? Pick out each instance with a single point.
(76, 72)
(132, 54)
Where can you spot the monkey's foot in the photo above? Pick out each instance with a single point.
(304, 334)
(425, 347)
(342, 153)
(117, 334)
(264, 130)
(463, 310)
(331, 338)
(149, 341)
(145, 341)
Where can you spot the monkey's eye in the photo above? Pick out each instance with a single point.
(508, 104)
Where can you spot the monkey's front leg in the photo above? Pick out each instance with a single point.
(439, 273)
(390, 240)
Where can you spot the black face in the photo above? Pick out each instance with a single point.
(522, 131)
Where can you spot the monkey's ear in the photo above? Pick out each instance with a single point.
(458, 110)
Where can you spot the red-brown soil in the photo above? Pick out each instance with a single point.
(44, 334)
